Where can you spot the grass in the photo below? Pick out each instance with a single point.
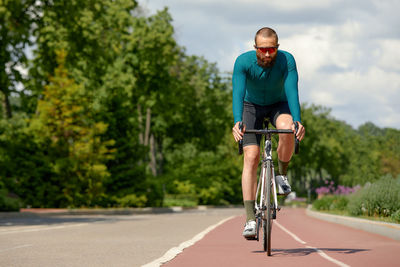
(179, 200)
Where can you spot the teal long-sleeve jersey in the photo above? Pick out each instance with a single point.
(265, 86)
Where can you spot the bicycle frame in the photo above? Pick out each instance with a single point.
(266, 166)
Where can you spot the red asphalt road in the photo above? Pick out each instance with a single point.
(345, 246)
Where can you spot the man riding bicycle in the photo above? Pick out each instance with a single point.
(264, 87)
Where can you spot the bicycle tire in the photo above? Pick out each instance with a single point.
(269, 211)
(265, 245)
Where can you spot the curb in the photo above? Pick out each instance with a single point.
(390, 230)
(34, 212)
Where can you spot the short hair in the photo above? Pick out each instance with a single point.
(266, 32)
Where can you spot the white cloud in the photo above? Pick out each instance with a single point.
(299, 4)
(389, 55)
(317, 47)
(370, 96)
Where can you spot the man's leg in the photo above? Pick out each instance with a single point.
(285, 152)
(249, 178)
(286, 142)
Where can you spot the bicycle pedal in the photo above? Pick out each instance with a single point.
(251, 238)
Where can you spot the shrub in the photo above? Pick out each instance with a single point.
(180, 200)
(396, 216)
(132, 200)
(9, 203)
(381, 198)
(336, 202)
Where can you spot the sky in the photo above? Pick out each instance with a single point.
(347, 51)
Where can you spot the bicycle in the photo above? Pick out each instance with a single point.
(266, 204)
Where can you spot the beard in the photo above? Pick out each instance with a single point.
(266, 62)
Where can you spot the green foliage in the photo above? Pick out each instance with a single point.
(9, 203)
(16, 23)
(332, 202)
(217, 180)
(65, 125)
(25, 167)
(180, 200)
(132, 200)
(396, 216)
(380, 199)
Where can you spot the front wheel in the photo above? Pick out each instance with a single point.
(268, 213)
(267, 231)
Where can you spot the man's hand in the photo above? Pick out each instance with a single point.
(300, 132)
(237, 134)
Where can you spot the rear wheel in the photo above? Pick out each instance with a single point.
(265, 238)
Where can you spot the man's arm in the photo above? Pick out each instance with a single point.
(291, 88)
(238, 89)
(292, 94)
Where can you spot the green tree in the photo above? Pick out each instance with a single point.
(333, 150)
(25, 167)
(16, 20)
(92, 33)
(65, 125)
(390, 152)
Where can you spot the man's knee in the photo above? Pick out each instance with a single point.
(251, 155)
(284, 121)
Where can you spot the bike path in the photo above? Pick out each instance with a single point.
(297, 240)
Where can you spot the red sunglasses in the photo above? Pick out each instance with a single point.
(264, 50)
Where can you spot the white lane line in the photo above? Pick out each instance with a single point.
(295, 237)
(320, 252)
(323, 255)
(8, 249)
(19, 227)
(41, 229)
(173, 252)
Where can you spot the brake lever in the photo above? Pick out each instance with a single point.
(296, 141)
(240, 141)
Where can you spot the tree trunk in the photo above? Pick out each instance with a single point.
(147, 130)
(140, 120)
(153, 159)
(6, 106)
(160, 157)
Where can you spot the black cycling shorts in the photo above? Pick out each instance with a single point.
(255, 115)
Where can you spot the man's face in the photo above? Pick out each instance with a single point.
(266, 52)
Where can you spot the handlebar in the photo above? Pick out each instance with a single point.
(272, 131)
(268, 131)
(296, 141)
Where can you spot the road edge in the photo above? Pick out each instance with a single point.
(390, 230)
(110, 211)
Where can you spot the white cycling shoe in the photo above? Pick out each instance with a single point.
(283, 185)
(249, 231)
